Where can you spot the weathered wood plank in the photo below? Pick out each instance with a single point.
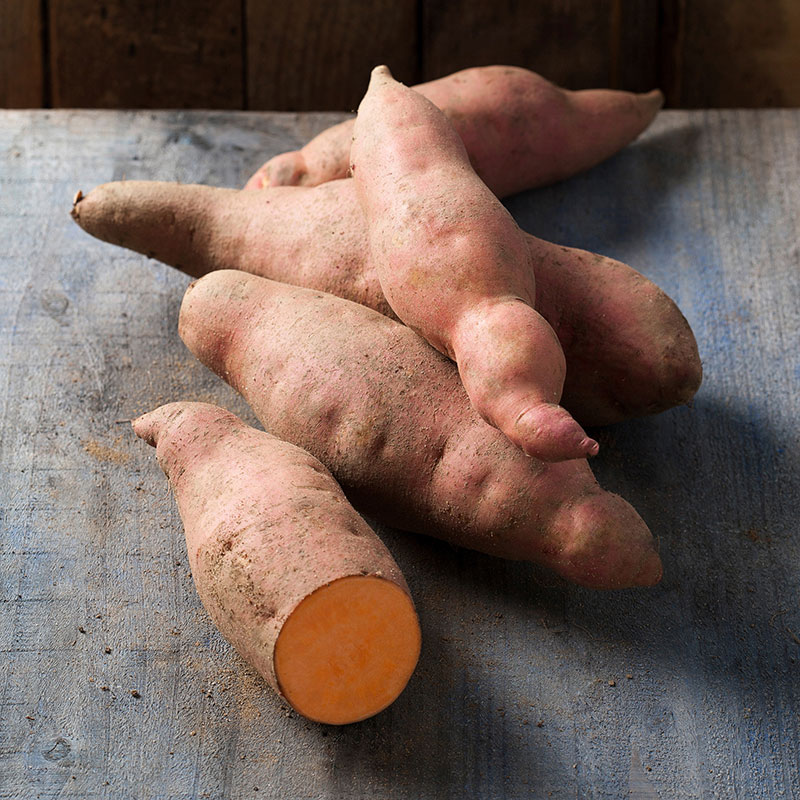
(733, 55)
(145, 55)
(705, 204)
(576, 45)
(21, 59)
(307, 56)
(633, 46)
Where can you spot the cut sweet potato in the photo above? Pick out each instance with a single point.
(348, 649)
(288, 571)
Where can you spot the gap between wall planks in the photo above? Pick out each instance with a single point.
(296, 55)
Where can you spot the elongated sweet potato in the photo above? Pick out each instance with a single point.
(388, 416)
(455, 267)
(520, 130)
(628, 348)
(291, 575)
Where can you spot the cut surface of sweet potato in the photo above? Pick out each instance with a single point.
(348, 649)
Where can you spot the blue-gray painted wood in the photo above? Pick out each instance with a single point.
(527, 687)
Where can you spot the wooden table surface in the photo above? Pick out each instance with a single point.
(527, 687)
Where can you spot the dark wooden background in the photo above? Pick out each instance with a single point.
(295, 55)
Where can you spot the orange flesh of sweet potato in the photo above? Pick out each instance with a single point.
(520, 130)
(288, 571)
(347, 650)
(455, 267)
(629, 350)
(388, 416)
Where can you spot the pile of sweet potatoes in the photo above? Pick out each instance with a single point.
(400, 337)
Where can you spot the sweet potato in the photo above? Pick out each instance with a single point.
(455, 267)
(520, 130)
(629, 350)
(388, 416)
(291, 575)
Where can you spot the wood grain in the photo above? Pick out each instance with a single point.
(549, 38)
(21, 56)
(613, 43)
(633, 46)
(735, 54)
(306, 56)
(175, 54)
(527, 688)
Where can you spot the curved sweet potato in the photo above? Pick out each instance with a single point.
(628, 348)
(456, 268)
(388, 416)
(520, 130)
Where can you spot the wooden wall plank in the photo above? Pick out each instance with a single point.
(304, 55)
(567, 42)
(309, 56)
(174, 54)
(21, 62)
(671, 25)
(634, 46)
(736, 54)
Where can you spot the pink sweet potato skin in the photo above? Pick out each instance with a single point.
(389, 418)
(266, 524)
(520, 130)
(456, 268)
(628, 348)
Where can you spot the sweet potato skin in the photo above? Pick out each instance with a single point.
(266, 524)
(628, 348)
(520, 130)
(388, 416)
(455, 267)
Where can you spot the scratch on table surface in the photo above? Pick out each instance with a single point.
(94, 358)
(639, 787)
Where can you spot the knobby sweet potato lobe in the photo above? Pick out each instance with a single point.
(388, 416)
(520, 130)
(455, 267)
(288, 571)
(629, 351)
